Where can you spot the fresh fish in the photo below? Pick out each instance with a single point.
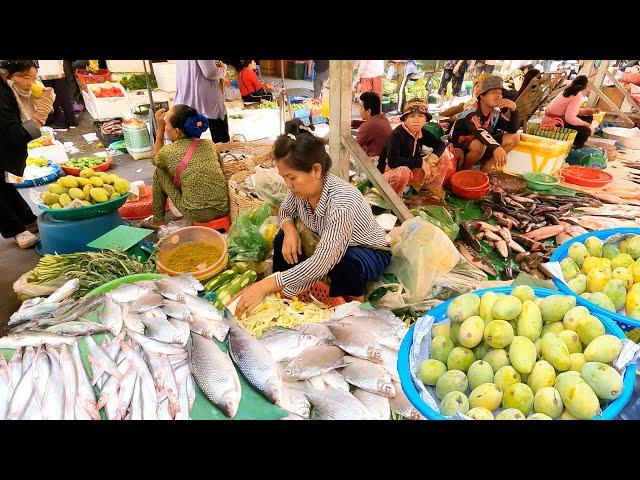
(125, 394)
(156, 313)
(333, 404)
(15, 368)
(293, 416)
(132, 321)
(202, 308)
(64, 292)
(401, 405)
(184, 286)
(33, 411)
(101, 358)
(386, 333)
(171, 291)
(111, 316)
(368, 376)
(81, 413)
(160, 330)
(148, 286)
(164, 410)
(313, 362)
(109, 397)
(177, 310)
(178, 360)
(78, 328)
(188, 281)
(285, 344)
(170, 386)
(80, 308)
(191, 391)
(356, 342)
(70, 380)
(154, 346)
(86, 396)
(476, 260)
(128, 293)
(53, 408)
(112, 349)
(294, 400)
(32, 302)
(183, 333)
(390, 362)
(181, 375)
(136, 401)
(318, 330)
(5, 387)
(22, 395)
(215, 374)
(329, 380)
(545, 232)
(147, 302)
(377, 405)
(157, 371)
(27, 357)
(25, 339)
(147, 387)
(255, 363)
(30, 313)
(209, 328)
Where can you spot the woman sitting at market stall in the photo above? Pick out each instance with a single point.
(188, 171)
(564, 111)
(352, 249)
(251, 88)
(403, 161)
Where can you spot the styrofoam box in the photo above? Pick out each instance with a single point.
(105, 108)
(55, 153)
(141, 97)
(129, 66)
(165, 73)
(256, 124)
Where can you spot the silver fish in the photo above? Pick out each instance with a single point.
(154, 346)
(127, 293)
(27, 357)
(333, 404)
(136, 401)
(125, 394)
(111, 316)
(160, 330)
(184, 286)
(209, 328)
(182, 331)
(191, 391)
(156, 313)
(78, 328)
(30, 313)
(368, 376)
(255, 363)
(147, 387)
(64, 292)
(331, 379)
(33, 411)
(356, 342)
(285, 344)
(177, 310)
(109, 397)
(24, 339)
(401, 405)
(189, 281)
(170, 386)
(147, 302)
(111, 349)
(53, 405)
(386, 332)
(215, 374)
(171, 291)
(32, 302)
(313, 362)
(70, 380)
(294, 400)
(377, 405)
(390, 362)
(318, 330)
(202, 307)
(148, 286)
(100, 357)
(132, 321)
(81, 413)
(164, 410)
(22, 395)
(86, 396)
(178, 360)
(15, 368)
(79, 308)
(5, 387)
(181, 375)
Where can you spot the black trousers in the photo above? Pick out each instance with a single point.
(219, 128)
(63, 115)
(583, 132)
(15, 213)
(456, 81)
(260, 94)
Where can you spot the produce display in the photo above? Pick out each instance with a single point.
(85, 162)
(44, 141)
(37, 161)
(105, 90)
(511, 357)
(112, 127)
(607, 274)
(88, 189)
(191, 256)
(138, 81)
(269, 104)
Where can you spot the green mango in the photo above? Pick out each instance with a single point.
(430, 371)
(578, 285)
(487, 395)
(506, 308)
(480, 413)
(471, 332)
(451, 381)
(461, 359)
(463, 307)
(542, 375)
(616, 291)
(479, 372)
(589, 328)
(506, 376)
(594, 246)
(498, 334)
(610, 251)
(554, 307)
(571, 340)
(603, 379)
(522, 354)
(529, 322)
(578, 252)
(555, 352)
(441, 329)
(441, 348)
(497, 358)
(454, 402)
(518, 396)
(569, 269)
(604, 348)
(548, 401)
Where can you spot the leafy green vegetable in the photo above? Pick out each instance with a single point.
(137, 81)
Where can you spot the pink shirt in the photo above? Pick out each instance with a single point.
(370, 68)
(567, 108)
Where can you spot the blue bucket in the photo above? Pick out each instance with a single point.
(440, 314)
(625, 323)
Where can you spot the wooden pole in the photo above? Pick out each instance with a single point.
(335, 83)
(624, 91)
(346, 74)
(598, 81)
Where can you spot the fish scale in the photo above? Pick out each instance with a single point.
(368, 376)
(314, 361)
(357, 342)
(286, 344)
(333, 404)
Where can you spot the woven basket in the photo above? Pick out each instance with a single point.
(239, 199)
(257, 153)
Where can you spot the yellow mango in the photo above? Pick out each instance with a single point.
(57, 188)
(461, 359)
(506, 376)
(581, 401)
(522, 354)
(68, 182)
(86, 191)
(114, 195)
(570, 319)
(487, 395)
(578, 285)
(64, 199)
(506, 308)
(441, 329)
(524, 293)
(518, 396)
(99, 195)
(441, 348)
(479, 372)
(480, 413)
(604, 380)
(578, 253)
(510, 414)
(554, 307)
(486, 304)
(459, 309)
(571, 340)
(96, 181)
(622, 260)
(555, 352)
(498, 334)
(471, 331)
(542, 375)
(430, 371)
(122, 187)
(577, 361)
(604, 349)
(76, 193)
(454, 402)
(453, 380)
(529, 322)
(539, 416)
(594, 246)
(548, 401)
(87, 173)
(589, 328)
(497, 358)
(50, 198)
(56, 206)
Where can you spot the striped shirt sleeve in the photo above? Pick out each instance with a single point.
(288, 209)
(331, 248)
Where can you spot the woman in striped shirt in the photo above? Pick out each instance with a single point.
(353, 248)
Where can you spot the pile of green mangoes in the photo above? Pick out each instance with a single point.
(534, 358)
(85, 162)
(86, 190)
(606, 274)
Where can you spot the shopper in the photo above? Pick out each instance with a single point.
(199, 85)
(17, 221)
(353, 248)
(59, 77)
(402, 160)
(34, 101)
(453, 112)
(322, 75)
(485, 135)
(483, 66)
(373, 133)
(565, 110)
(369, 76)
(188, 170)
(251, 88)
(454, 71)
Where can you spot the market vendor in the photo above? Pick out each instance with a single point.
(34, 101)
(353, 248)
(373, 133)
(188, 171)
(565, 111)
(486, 134)
(453, 112)
(402, 160)
(251, 88)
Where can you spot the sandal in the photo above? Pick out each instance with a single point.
(150, 224)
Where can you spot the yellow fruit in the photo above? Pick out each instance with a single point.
(542, 375)
(497, 358)
(441, 348)
(69, 182)
(589, 264)
(486, 304)
(430, 371)
(498, 334)
(85, 203)
(506, 308)
(539, 416)
(548, 401)
(459, 309)
(578, 285)
(625, 275)
(455, 329)
(96, 181)
(569, 268)
(76, 193)
(87, 173)
(603, 379)
(480, 413)
(479, 372)
(506, 376)
(57, 188)
(596, 280)
(523, 292)
(99, 195)
(633, 301)
(114, 195)
(82, 182)
(589, 328)
(518, 396)
(578, 253)
(451, 381)
(441, 329)
(633, 247)
(565, 380)
(554, 307)
(567, 416)
(108, 188)
(529, 322)
(553, 327)
(122, 187)
(594, 246)
(571, 340)
(481, 350)
(622, 260)
(570, 319)
(635, 271)
(577, 361)
(555, 352)
(602, 300)
(510, 414)
(86, 191)
(581, 400)
(454, 402)
(461, 359)
(487, 395)
(56, 206)
(522, 354)
(50, 198)
(623, 246)
(471, 332)
(64, 200)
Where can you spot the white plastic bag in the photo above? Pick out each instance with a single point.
(269, 185)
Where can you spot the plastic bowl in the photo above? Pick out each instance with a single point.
(585, 176)
(540, 181)
(193, 234)
(624, 322)
(440, 314)
(470, 184)
(76, 171)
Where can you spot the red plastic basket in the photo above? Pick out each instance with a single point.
(631, 77)
(84, 77)
(585, 176)
(469, 184)
(141, 208)
(76, 171)
(321, 293)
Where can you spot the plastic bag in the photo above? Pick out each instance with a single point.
(23, 288)
(137, 138)
(440, 217)
(245, 242)
(421, 253)
(307, 237)
(269, 185)
(445, 167)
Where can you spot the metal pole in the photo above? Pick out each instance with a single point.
(152, 118)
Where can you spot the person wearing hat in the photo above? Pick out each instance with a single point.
(453, 112)
(486, 134)
(403, 160)
(564, 110)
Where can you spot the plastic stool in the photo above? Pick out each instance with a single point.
(221, 223)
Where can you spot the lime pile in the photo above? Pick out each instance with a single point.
(85, 162)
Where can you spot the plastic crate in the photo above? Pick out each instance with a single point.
(106, 138)
(295, 70)
(320, 292)
(301, 113)
(624, 322)
(318, 120)
(84, 77)
(440, 314)
(537, 154)
(107, 108)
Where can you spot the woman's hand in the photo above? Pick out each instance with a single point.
(250, 298)
(292, 245)
(501, 157)
(506, 103)
(159, 116)
(595, 111)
